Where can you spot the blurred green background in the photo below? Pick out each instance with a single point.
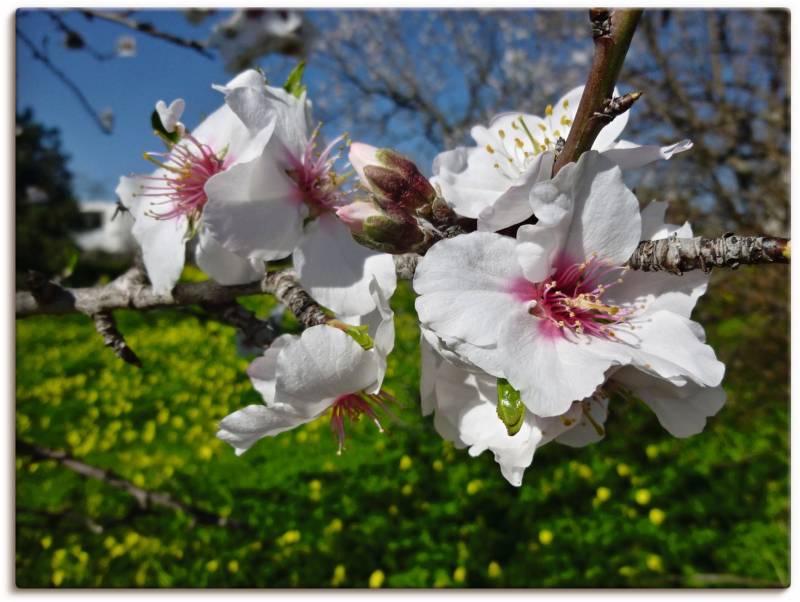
(405, 509)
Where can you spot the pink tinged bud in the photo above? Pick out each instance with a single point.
(360, 156)
(356, 213)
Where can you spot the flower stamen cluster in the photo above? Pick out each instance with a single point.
(352, 406)
(183, 185)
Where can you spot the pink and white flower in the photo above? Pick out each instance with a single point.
(491, 181)
(465, 406)
(555, 311)
(283, 202)
(322, 370)
(169, 205)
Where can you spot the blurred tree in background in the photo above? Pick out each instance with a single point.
(100, 444)
(46, 209)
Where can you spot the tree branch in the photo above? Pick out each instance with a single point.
(678, 255)
(144, 498)
(127, 292)
(40, 56)
(147, 29)
(612, 32)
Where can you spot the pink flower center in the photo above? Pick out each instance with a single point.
(317, 183)
(571, 300)
(182, 187)
(352, 406)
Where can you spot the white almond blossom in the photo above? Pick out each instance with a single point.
(282, 202)
(491, 181)
(555, 310)
(465, 406)
(303, 377)
(168, 205)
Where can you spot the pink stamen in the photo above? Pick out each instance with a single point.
(183, 184)
(314, 176)
(351, 406)
(571, 299)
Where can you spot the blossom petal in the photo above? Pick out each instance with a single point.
(584, 432)
(319, 366)
(681, 410)
(665, 344)
(604, 214)
(252, 209)
(337, 271)
(512, 207)
(468, 180)
(223, 266)
(466, 286)
(170, 115)
(263, 370)
(551, 371)
(245, 427)
(163, 241)
(629, 155)
(605, 139)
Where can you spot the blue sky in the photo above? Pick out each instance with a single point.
(129, 86)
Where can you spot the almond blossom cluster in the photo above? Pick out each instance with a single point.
(525, 338)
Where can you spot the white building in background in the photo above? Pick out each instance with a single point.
(101, 231)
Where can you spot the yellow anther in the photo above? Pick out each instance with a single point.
(565, 104)
(489, 149)
(519, 142)
(510, 160)
(548, 110)
(557, 134)
(547, 141)
(497, 165)
(502, 134)
(527, 154)
(566, 121)
(542, 127)
(514, 125)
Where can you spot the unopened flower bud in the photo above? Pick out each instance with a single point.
(356, 213)
(392, 178)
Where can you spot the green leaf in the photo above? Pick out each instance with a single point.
(294, 83)
(510, 408)
(160, 130)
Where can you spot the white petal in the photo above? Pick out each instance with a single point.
(466, 286)
(468, 180)
(223, 266)
(246, 426)
(629, 155)
(665, 344)
(263, 370)
(337, 271)
(583, 432)
(682, 410)
(659, 291)
(170, 115)
(513, 206)
(564, 110)
(322, 364)
(605, 213)
(163, 241)
(612, 131)
(550, 371)
(253, 209)
(654, 226)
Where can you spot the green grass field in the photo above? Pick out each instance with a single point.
(402, 509)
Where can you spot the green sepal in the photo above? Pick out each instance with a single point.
(294, 83)
(510, 408)
(161, 131)
(360, 334)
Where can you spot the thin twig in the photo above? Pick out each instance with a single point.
(144, 498)
(42, 58)
(612, 36)
(106, 325)
(148, 29)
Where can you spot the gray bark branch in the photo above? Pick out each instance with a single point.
(145, 499)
